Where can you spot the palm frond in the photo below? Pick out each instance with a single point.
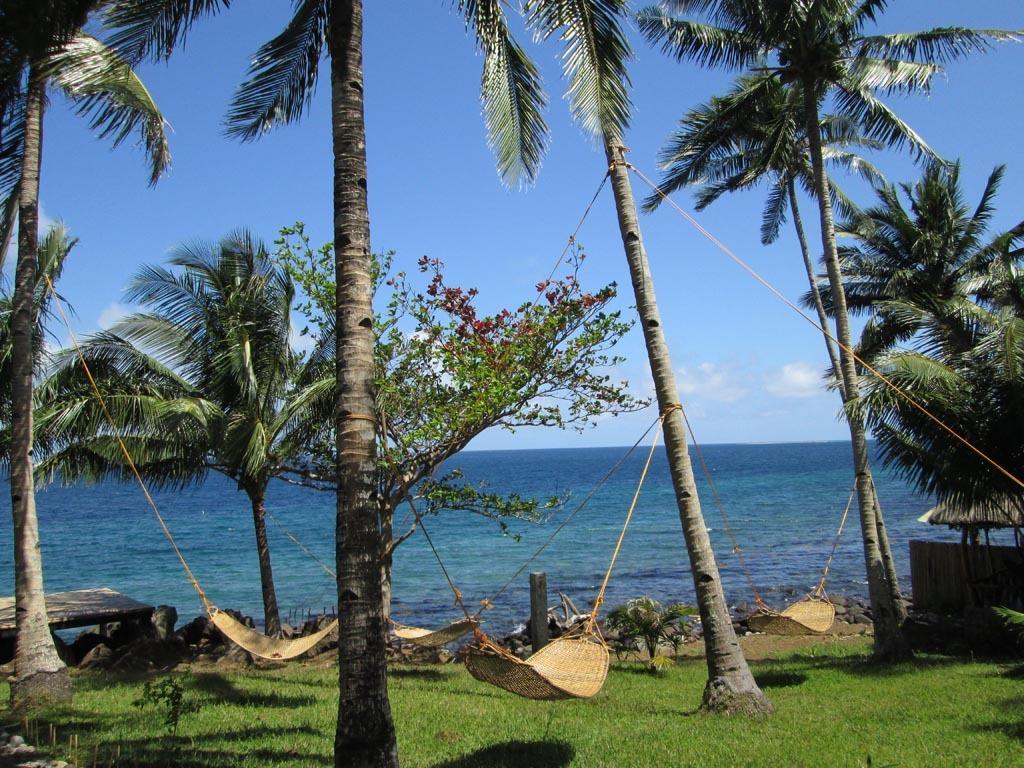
(12, 137)
(154, 28)
(282, 76)
(511, 93)
(892, 75)
(941, 44)
(880, 122)
(107, 91)
(594, 56)
(704, 44)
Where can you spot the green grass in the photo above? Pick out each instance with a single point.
(833, 707)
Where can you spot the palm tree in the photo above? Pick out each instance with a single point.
(54, 250)
(282, 79)
(51, 49)
(594, 59)
(724, 148)
(202, 381)
(820, 46)
(944, 298)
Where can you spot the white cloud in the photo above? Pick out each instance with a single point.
(711, 381)
(111, 314)
(797, 380)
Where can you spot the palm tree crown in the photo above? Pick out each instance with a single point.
(945, 297)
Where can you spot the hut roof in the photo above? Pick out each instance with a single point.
(979, 516)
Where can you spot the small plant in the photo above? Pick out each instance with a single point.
(168, 693)
(646, 620)
(1014, 621)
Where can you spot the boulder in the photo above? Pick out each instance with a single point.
(100, 657)
(163, 619)
(235, 655)
(85, 642)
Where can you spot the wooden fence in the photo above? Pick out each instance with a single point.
(939, 577)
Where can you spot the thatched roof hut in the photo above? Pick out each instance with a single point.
(979, 516)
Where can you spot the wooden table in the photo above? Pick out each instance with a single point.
(80, 608)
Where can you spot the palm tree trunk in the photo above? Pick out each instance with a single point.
(819, 306)
(731, 686)
(833, 356)
(40, 677)
(365, 734)
(387, 527)
(892, 578)
(890, 643)
(271, 615)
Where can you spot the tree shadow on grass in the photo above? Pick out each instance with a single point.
(1013, 728)
(777, 678)
(866, 666)
(223, 689)
(516, 754)
(416, 673)
(189, 752)
(1011, 673)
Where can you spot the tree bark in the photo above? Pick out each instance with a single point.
(819, 306)
(271, 616)
(365, 734)
(833, 356)
(891, 576)
(40, 677)
(890, 644)
(731, 686)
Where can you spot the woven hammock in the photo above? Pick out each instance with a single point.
(565, 668)
(430, 638)
(811, 616)
(261, 645)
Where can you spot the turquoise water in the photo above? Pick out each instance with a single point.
(784, 502)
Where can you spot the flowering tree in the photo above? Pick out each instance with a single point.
(445, 371)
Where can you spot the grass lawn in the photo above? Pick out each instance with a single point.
(834, 707)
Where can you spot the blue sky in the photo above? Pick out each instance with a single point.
(748, 368)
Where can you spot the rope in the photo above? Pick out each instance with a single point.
(599, 600)
(867, 366)
(736, 548)
(820, 589)
(488, 602)
(124, 449)
(300, 545)
(572, 238)
(437, 556)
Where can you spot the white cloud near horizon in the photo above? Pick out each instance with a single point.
(712, 381)
(111, 314)
(795, 380)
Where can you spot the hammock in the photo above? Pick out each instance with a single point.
(813, 615)
(243, 636)
(278, 649)
(573, 666)
(565, 668)
(435, 638)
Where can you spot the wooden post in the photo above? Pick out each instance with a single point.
(539, 634)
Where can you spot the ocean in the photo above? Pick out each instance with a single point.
(784, 502)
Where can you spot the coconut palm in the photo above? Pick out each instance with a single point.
(203, 380)
(282, 79)
(820, 47)
(944, 297)
(594, 59)
(724, 148)
(53, 252)
(48, 48)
